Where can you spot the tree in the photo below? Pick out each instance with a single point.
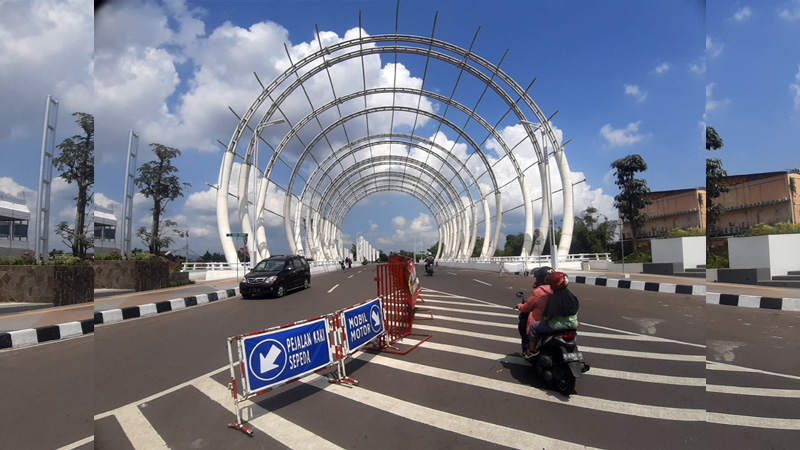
(588, 238)
(714, 174)
(158, 181)
(76, 164)
(632, 198)
(513, 246)
(476, 251)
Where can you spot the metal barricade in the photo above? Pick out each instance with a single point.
(398, 289)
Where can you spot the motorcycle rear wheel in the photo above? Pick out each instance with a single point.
(564, 379)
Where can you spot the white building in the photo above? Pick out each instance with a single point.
(105, 231)
(14, 219)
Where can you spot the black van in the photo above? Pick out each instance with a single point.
(276, 275)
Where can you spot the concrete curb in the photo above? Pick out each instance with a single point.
(667, 288)
(753, 301)
(32, 336)
(150, 309)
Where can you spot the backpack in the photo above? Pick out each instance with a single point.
(562, 303)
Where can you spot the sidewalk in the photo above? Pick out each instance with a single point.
(745, 295)
(25, 324)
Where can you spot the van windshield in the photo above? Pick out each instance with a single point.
(270, 265)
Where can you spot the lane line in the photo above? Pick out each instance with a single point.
(476, 429)
(756, 392)
(77, 444)
(481, 282)
(594, 350)
(595, 371)
(331, 290)
(268, 422)
(138, 429)
(595, 404)
(635, 337)
(714, 365)
(351, 276)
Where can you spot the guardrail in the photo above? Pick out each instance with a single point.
(213, 266)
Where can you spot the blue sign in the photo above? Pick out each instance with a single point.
(363, 323)
(274, 357)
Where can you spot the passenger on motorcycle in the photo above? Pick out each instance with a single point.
(533, 309)
(560, 312)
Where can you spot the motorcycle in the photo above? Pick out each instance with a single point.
(558, 360)
(429, 269)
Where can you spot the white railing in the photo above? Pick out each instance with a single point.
(206, 266)
(534, 259)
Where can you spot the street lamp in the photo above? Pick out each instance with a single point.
(547, 196)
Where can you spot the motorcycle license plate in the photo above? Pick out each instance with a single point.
(570, 357)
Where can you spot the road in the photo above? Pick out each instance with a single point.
(654, 383)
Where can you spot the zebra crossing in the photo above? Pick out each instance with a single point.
(472, 355)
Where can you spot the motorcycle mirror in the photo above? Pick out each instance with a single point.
(520, 294)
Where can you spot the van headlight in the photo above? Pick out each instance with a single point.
(271, 279)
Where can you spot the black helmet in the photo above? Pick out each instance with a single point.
(541, 273)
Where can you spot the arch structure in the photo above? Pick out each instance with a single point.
(330, 134)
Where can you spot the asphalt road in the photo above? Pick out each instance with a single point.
(668, 371)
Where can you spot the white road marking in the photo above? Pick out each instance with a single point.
(756, 392)
(596, 404)
(351, 276)
(485, 431)
(270, 423)
(713, 365)
(77, 444)
(451, 273)
(595, 350)
(595, 371)
(138, 429)
(481, 282)
(331, 290)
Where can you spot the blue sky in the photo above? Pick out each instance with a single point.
(625, 76)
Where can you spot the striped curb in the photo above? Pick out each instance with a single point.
(667, 288)
(754, 301)
(32, 336)
(150, 309)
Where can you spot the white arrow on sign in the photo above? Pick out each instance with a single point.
(268, 360)
(376, 318)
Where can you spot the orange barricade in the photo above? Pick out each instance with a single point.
(399, 289)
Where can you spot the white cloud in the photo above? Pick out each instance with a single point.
(743, 14)
(791, 14)
(795, 87)
(373, 226)
(712, 104)
(46, 49)
(699, 68)
(713, 49)
(634, 91)
(625, 136)
(399, 221)
(662, 68)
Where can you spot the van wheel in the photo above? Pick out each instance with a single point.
(279, 293)
(307, 283)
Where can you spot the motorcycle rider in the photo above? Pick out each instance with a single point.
(429, 262)
(560, 312)
(533, 309)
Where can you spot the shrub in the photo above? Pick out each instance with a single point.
(17, 261)
(180, 283)
(639, 257)
(143, 256)
(66, 260)
(108, 257)
(763, 229)
(679, 233)
(716, 261)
